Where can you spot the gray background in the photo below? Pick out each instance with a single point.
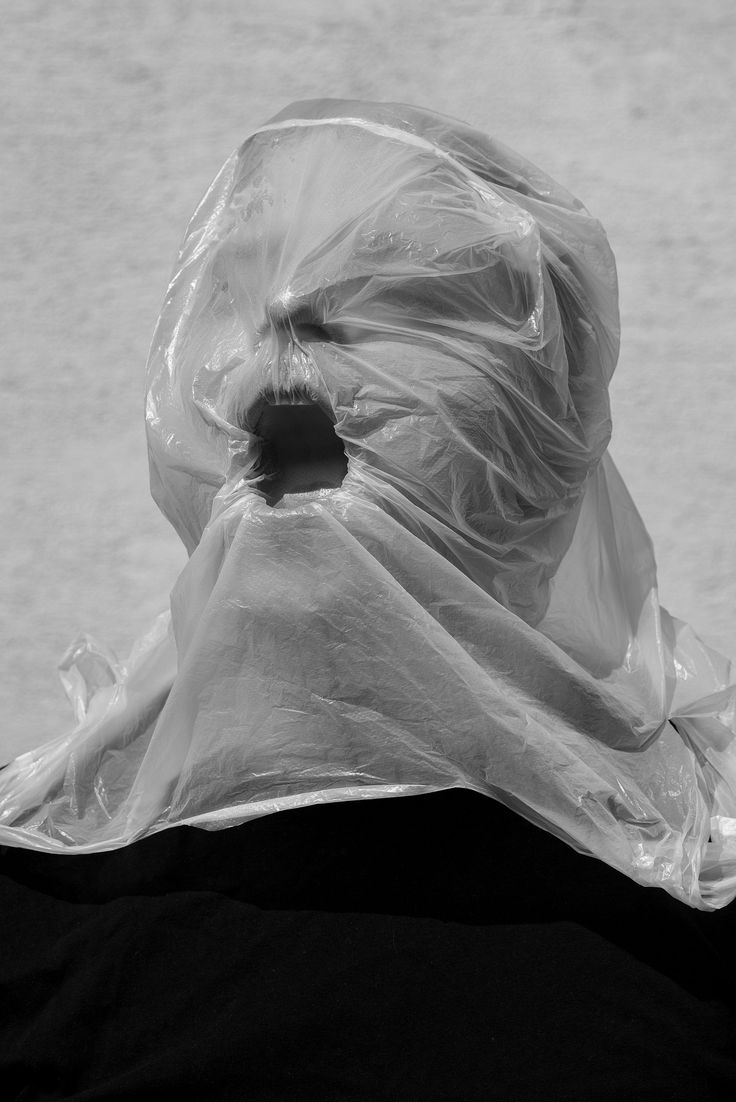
(116, 115)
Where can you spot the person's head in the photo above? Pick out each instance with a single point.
(359, 306)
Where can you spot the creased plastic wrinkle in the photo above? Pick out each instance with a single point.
(472, 602)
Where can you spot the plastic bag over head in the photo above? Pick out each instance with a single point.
(377, 415)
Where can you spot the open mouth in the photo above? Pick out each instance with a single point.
(300, 450)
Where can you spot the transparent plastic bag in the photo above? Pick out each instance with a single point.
(474, 603)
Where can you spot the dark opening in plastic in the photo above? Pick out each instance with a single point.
(301, 450)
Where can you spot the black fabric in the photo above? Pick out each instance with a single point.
(429, 947)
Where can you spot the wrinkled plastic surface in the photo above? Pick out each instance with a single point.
(476, 604)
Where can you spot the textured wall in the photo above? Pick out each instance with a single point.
(116, 115)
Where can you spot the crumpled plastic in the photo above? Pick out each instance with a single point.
(475, 605)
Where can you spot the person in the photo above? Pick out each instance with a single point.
(377, 416)
(415, 664)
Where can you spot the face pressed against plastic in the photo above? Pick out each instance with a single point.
(370, 325)
(364, 270)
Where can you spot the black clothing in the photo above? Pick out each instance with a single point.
(427, 947)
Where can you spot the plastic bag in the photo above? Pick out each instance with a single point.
(474, 603)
